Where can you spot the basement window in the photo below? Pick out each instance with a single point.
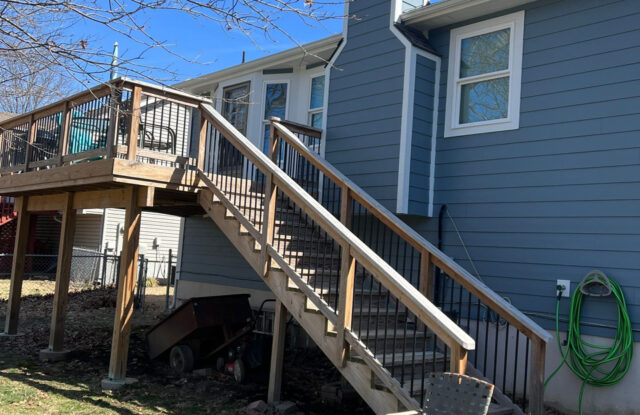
(485, 69)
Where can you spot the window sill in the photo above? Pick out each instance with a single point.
(493, 127)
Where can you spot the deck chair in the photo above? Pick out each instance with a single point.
(454, 394)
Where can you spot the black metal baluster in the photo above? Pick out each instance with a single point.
(526, 368)
(515, 367)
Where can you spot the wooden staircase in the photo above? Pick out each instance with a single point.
(381, 331)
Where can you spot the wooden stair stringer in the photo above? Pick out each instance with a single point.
(360, 376)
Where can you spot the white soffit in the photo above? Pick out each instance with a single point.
(448, 12)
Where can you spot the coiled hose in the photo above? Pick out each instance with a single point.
(598, 365)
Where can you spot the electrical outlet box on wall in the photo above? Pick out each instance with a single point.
(567, 288)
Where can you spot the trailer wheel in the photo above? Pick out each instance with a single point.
(181, 359)
(239, 371)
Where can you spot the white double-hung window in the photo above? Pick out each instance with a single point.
(485, 70)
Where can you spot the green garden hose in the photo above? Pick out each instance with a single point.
(595, 365)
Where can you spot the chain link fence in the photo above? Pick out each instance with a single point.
(94, 268)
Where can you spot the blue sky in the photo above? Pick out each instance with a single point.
(212, 46)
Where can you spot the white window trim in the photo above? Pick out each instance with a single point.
(452, 127)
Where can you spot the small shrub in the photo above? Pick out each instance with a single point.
(152, 282)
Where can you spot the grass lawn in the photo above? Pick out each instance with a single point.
(29, 386)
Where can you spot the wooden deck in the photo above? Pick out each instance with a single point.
(100, 174)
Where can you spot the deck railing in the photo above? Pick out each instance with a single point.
(97, 123)
(510, 347)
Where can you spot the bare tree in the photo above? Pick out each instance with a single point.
(44, 31)
(28, 84)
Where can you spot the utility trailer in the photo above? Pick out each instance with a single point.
(209, 330)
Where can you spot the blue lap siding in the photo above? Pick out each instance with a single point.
(560, 196)
(365, 102)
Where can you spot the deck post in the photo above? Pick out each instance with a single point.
(347, 281)
(125, 298)
(277, 353)
(202, 142)
(426, 281)
(65, 130)
(458, 363)
(134, 123)
(345, 302)
(114, 112)
(33, 131)
(55, 351)
(270, 199)
(17, 266)
(536, 377)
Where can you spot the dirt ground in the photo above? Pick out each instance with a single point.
(28, 386)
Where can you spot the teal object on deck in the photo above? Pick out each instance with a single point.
(87, 133)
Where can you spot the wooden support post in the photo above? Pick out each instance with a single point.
(346, 207)
(536, 377)
(31, 139)
(347, 280)
(17, 266)
(426, 281)
(345, 302)
(134, 123)
(114, 112)
(124, 301)
(63, 145)
(277, 353)
(458, 362)
(63, 274)
(270, 199)
(202, 143)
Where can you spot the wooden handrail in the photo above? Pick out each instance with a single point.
(427, 312)
(301, 128)
(492, 299)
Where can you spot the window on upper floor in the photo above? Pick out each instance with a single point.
(316, 101)
(483, 85)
